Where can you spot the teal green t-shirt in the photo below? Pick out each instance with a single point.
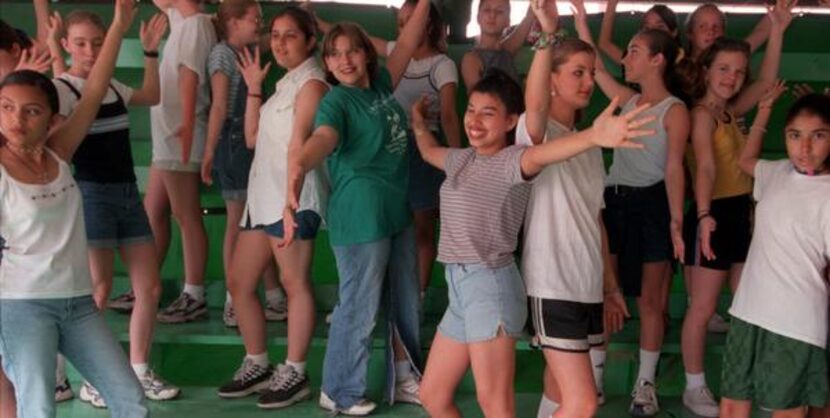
(369, 168)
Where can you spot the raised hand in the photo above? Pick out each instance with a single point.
(617, 131)
(546, 13)
(55, 27)
(774, 92)
(802, 89)
(781, 15)
(31, 59)
(249, 66)
(152, 31)
(125, 11)
(581, 20)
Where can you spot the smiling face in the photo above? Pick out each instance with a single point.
(726, 76)
(25, 116)
(487, 123)
(348, 62)
(289, 43)
(638, 60)
(573, 81)
(83, 43)
(807, 138)
(493, 16)
(707, 25)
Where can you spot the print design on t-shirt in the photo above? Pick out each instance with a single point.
(398, 142)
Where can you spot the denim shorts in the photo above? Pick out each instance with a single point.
(114, 215)
(308, 223)
(232, 162)
(484, 302)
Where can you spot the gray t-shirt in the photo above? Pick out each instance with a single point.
(483, 202)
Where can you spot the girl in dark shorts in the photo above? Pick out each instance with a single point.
(644, 194)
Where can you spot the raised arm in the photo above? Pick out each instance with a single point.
(42, 18)
(54, 30)
(516, 38)
(755, 140)
(780, 18)
(703, 129)
(379, 44)
(471, 68)
(759, 34)
(606, 32)
(607, 83)
(431, 151)
(677, 128)
(150, 34)
(537, 89)
(450, 123)
(253, 75)
(407, 42)
(607, 131)
(65, 139)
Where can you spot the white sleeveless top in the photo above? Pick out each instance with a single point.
(643, 167)
(46, 249)
(268, 179)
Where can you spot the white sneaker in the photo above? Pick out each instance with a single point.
(63, 391)
(644, 399)
(229, 316)
(155, 388)
(276, 311)
(717, 324)
(361, 408)
(408, 390)
(600, 398)
(91, 395)
(701, 401)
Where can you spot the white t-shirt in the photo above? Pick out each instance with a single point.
(783, 287)
(68, 100)
(562, 257)
(189, 44)
(425, 77)
(268, 179)
(45, 255)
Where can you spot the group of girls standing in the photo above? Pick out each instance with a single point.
(352, 142)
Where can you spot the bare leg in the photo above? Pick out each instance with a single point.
(579, 395)
(494, 366)
(157, 206)
(252, 254)
(183, 190)
(447, 363)
(142, 267)
(295, 265)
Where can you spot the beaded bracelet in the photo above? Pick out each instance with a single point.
(546, 40)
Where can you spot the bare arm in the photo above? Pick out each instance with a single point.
(188, 87)
(538, 88)
(779, 19)
(614, 308)
(759, 34)
(219, 90)
(677, 127)
(305, 108)
(703, 128)
(42, 18)
(607, 83)
(513, 42)
(755, 140)
(379, 44)
(606, 44)
(150, 33)
(431, 151)
(249, 67)
(55, 29)
(407, 42)
(471, 67)
(450, 124)
(65, 139)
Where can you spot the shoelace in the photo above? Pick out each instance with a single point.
(284, 378)
(247, 372)
(644, 394)
(156, 383)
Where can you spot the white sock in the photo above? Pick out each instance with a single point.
(546, 407)
(274, 296)
(196, 291)
(402, 370)
(228, 299)
(648, 365)
(260, 360)
(695, 380)
(298, 366)
(60, 369)
(140, 369)
(598, 366)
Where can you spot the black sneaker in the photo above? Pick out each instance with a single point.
(250, 378)
(286, 388)
(184, 309)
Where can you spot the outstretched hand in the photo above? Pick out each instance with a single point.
(771, 95)
(125, 11)
(781, 15)
(32, 59)
(618, 131)
(151, 32)
(249, 66)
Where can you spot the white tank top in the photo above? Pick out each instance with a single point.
(45, 256)
(643, 167)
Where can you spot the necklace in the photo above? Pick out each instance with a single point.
(41, 175)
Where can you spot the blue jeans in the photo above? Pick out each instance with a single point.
(380, 273)
(33, 331)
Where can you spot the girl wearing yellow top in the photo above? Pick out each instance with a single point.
(717, 225)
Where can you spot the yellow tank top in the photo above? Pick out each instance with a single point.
(727, 143)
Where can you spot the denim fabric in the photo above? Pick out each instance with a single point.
(33, 331)
(232, 159)
(114, 214)
(376, 274)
